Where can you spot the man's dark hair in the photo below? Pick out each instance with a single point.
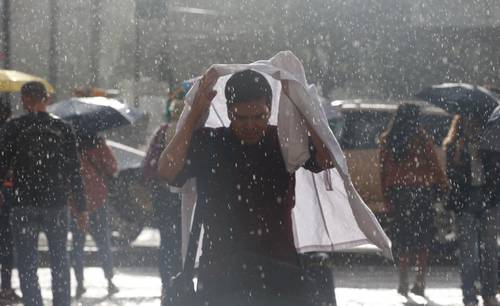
(35, 90)
(248, 85)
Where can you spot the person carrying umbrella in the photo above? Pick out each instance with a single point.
(473, 172)
(245, 194)
(410, 177)
(98, 166)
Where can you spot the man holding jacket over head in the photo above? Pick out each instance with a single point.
(245, 195)
(41, 151)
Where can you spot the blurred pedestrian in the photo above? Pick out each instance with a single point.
(166, 205)
(473, 175)
(7, 293)
(245, 195)
(410, 176)
(98, 166)
(41, 151)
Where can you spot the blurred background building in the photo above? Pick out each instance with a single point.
(351, 48)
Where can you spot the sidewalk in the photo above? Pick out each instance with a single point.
(356, 286)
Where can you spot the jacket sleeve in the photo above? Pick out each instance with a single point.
(383, 160)
(456, 179)
(491, 162)
(73, 172)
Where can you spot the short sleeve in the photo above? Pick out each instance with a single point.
(197, 158)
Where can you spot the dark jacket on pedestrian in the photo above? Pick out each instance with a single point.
(491, 162)
(459, 171)
(41, 151)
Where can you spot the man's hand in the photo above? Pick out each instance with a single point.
(82, 220)
(206, 93)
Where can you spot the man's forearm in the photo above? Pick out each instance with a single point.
(173, 158)
(323, 156)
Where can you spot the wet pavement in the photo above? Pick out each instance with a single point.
(356, 286)
(362, 280)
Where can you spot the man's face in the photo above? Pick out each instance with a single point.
(249, 120)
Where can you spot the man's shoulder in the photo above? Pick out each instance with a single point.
(15, 121)
(42, 122)
(59, 121)
(61, 125)
(14, 124)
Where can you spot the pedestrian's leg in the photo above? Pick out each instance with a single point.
(171, 242)
(6, 275)
(6, 252)
(165, 214)
(403, 265)
(467, 237)
(163, 257)
(317, 267)
(488, 252)
(25, 224)
(56, 227)
(77, 254)
(422, 259)
(175, 236)
(99, 229)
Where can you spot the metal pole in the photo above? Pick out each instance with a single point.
(53, 52)
(95, 41)
(6, 33)
(6, 43)
(137, 55)
(165, 69)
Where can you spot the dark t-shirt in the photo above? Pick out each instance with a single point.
(245, 193)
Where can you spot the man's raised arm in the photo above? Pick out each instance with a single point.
(173, 158)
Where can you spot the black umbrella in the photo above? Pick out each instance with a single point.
(460, 98)
(95, 114)
(490, 139)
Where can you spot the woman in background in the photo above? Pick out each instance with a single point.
(410, 177)
(166, 205)
(98, 165)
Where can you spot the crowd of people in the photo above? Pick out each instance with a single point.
(55, 180)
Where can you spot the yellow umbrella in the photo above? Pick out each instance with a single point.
(12, 81)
